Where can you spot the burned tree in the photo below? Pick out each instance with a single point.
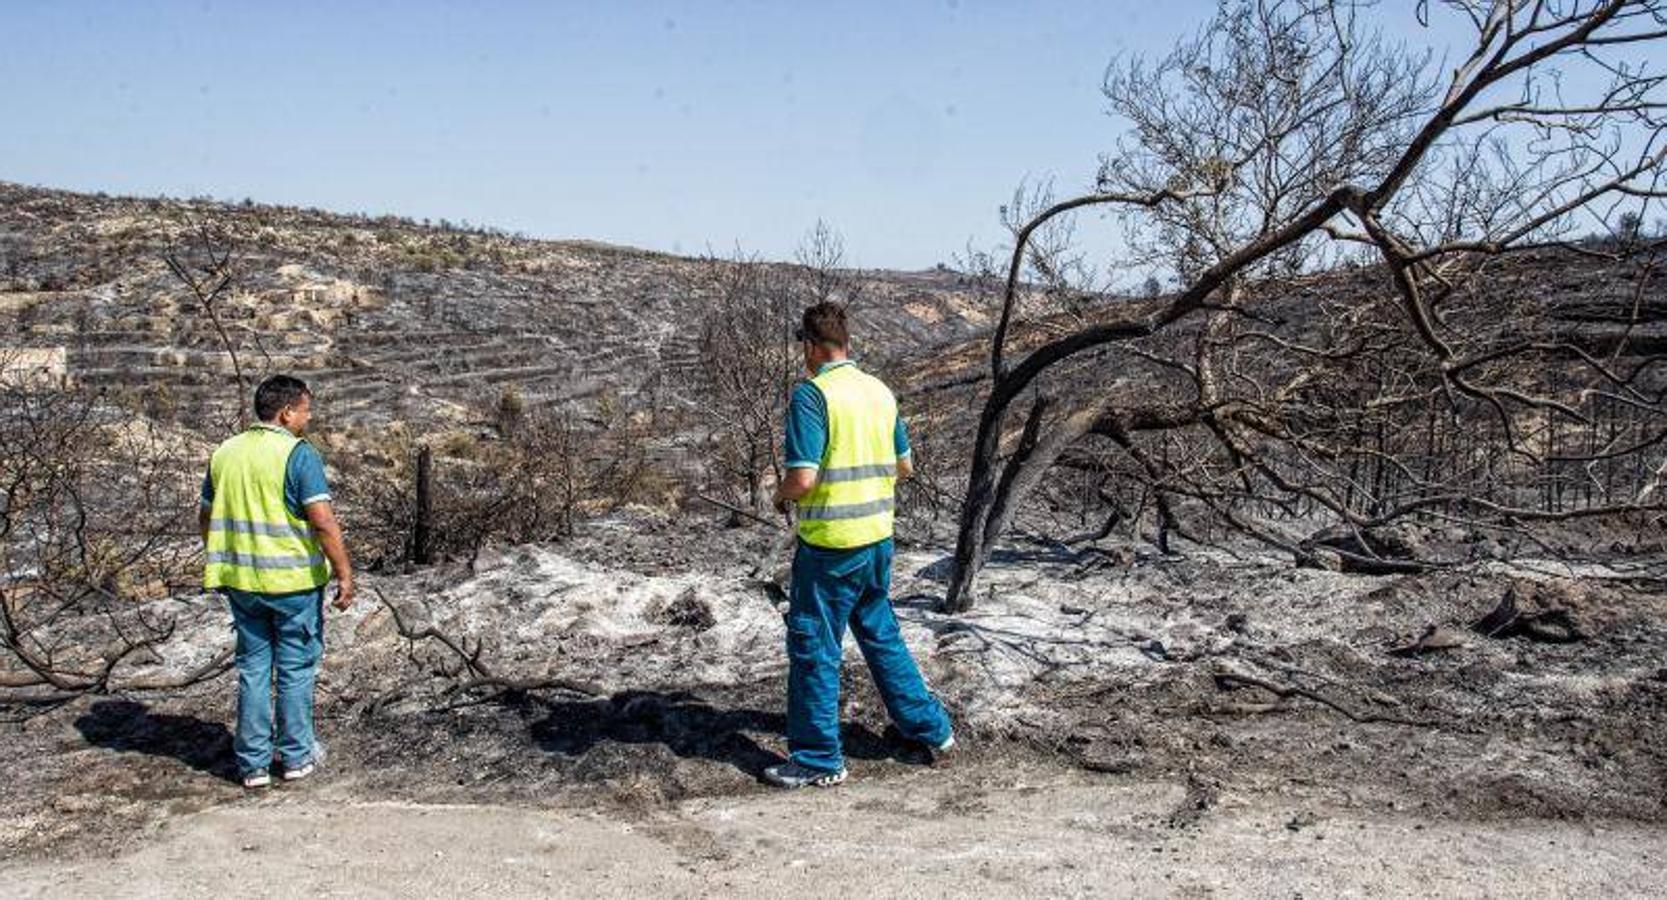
(1284, 395)
(821, 274)
(749, 359)
(747, 368)
(205, 263)
(94, 536)
(446, 498)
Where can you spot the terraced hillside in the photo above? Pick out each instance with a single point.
(392, 321)
(388, 319)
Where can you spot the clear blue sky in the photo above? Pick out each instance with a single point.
(671, 126)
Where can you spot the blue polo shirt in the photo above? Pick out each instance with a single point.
(303, 478)
(807, 425)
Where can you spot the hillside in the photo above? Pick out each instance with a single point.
(386, 318)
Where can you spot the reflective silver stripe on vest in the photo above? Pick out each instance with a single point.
(253, 561)
(846, 511)
(244, 526)
(858, 473)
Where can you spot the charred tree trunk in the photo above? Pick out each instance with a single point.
(1003, 503)
(971, 543)
(421, 524)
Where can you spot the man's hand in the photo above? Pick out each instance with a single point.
(344, 595)
(782, 504)
(323, 519)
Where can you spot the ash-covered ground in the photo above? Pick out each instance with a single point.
(639, 667)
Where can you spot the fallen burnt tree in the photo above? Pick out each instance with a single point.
(462, 667)
(1270, 158)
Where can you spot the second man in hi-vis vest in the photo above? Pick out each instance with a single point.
(269, 529)
(845, 449)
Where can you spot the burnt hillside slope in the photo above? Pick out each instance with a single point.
(387, 318)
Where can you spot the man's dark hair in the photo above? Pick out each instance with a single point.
(277, 392)
(824, 324)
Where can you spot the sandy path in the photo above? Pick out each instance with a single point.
(1026, 832)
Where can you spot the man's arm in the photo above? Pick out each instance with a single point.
(905, 452)
(806, 438)
(305, 488)
(795, 485)
(204, 515)
(323, 519)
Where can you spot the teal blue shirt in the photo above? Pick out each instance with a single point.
(807, 425)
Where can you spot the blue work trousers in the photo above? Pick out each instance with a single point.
(280, 639)
(832, 589)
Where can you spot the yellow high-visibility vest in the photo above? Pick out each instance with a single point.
(851, 503)
(254, 542)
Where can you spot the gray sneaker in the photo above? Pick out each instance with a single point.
(257, 780)
(791, 775)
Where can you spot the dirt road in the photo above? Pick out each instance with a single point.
(1026, 831)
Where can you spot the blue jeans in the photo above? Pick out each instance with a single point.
(280, 639)
(832, 589)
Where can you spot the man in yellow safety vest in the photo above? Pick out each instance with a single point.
(845, 449)
(268, 528)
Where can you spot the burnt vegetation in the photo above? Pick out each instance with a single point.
(1280, 395)
(750, 360)
(94, 539)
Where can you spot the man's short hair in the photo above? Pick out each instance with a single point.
(276, 393)
(824, 324)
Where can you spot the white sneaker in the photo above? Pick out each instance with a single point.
(947, 745)
(257, 780)
(307, 768)
(791, 775)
